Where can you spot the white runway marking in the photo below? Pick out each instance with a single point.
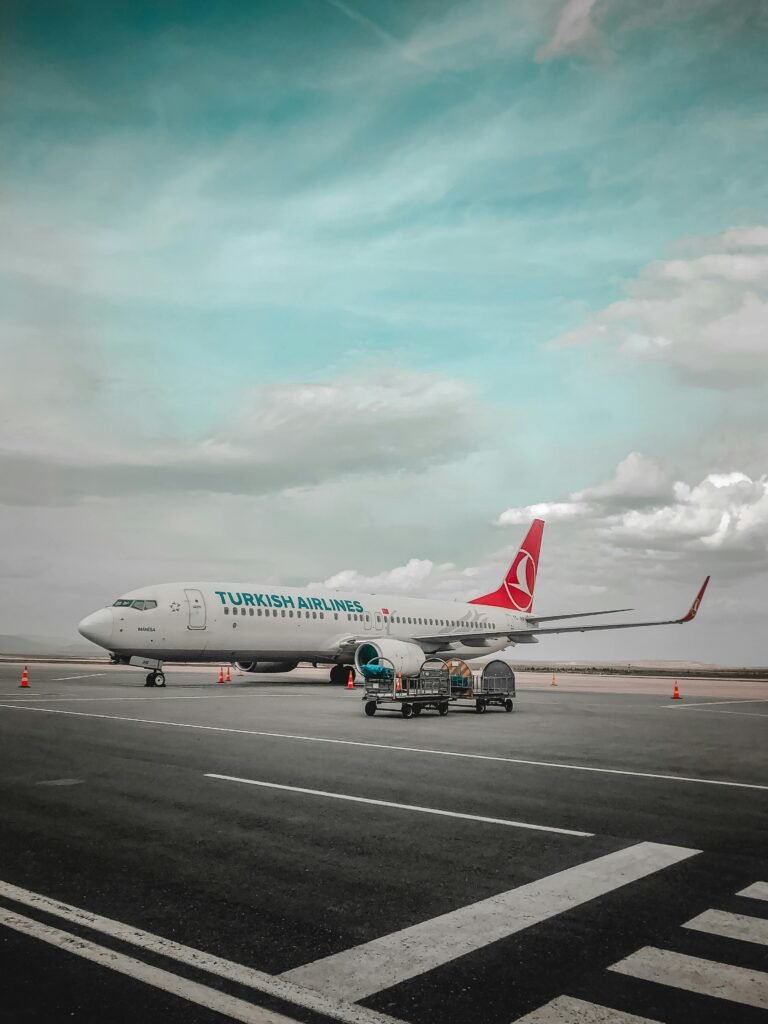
(90, 675)
(266, 983)
(707, 703)
(366, 969)
(401, 807)
(388, 746)
(566, 1010)
(731, 926)
(757, 891)
(155, 697)
(229, 1006)
(691, 973)
(741, 714)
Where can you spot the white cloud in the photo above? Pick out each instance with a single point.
(637, 478)
(403, 579)
(291, 435)
(554, 511)
(725, 512)
(706, 316)
(643, 507)
(574, 27)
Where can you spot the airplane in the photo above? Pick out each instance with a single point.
(269, 629)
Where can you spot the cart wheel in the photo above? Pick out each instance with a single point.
(443, 708)
(417, 709)
(406, 710)
(508, 705)
(370, 708)
(479, 706)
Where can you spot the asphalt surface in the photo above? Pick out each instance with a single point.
(108, 805)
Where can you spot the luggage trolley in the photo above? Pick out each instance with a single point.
(494, 686)
(410, 695)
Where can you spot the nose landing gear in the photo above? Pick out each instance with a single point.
(155, 679)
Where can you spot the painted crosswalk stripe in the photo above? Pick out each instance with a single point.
(400, 807)
(268, 984)
(757, 891)
(220, 1002)
(693, 974)
(566, 1010)
(363, 970)
(731, 926)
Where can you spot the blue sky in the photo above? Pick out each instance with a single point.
(207, 207)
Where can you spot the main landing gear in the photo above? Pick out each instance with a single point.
(155, 679)
(340, 674)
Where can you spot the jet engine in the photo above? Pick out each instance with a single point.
(406, 658)
(266, 666)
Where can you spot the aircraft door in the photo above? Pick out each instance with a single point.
(378, 619)
(367, 621)
(196, 609)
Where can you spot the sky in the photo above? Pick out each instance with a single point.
(342, 291)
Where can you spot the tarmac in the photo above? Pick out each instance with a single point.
(262, 851)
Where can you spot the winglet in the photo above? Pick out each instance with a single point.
(695, 606)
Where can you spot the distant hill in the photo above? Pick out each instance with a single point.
(47, 647)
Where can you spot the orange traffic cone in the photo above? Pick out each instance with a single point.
(351, 680)
(24, 684)
(676, 692)
(553, 683)
(229, 677)
(221, 675)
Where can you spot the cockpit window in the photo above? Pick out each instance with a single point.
(141, 606)
(122, 603)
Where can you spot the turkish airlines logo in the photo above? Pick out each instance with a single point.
(520, 581)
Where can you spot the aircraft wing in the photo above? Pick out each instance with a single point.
(535, 619)
(521, 634)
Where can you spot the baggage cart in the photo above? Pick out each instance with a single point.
(386, 689)
(494, 686)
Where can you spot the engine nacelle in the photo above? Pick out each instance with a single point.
(406, 658)
(266, 666)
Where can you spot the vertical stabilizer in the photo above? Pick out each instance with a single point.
(516, 590)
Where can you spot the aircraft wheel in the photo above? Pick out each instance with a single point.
(159, 679)
(508, 705)
(406, 710)
(150, 679)
(370, 708)
(480, 706)
(443, 708)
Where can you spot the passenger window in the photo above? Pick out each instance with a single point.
(282, 614)
(314, 615)
(290, 615)
(250, 611)
(322, 615)
(226, 611)
(336, 615)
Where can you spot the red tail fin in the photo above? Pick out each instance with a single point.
(516, 590)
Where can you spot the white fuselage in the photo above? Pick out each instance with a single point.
(248, 622)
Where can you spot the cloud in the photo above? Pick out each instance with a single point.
(725, 512)
(638, 479)
(574, 28)
(554, 511)
(643, 508)
(292, 435)
(704, 316)
(403, 579)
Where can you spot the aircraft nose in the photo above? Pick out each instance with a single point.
(97, 627)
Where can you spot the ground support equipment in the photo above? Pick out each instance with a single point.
(388, 690)
(494, 686)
